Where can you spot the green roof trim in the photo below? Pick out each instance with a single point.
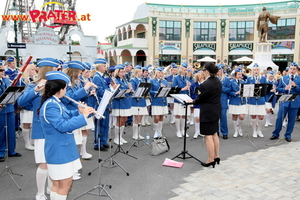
(105, 47)
(224, 8)
(142, 20)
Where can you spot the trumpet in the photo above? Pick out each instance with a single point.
(97, 115)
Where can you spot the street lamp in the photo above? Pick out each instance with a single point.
(14, 11)
(70, 52)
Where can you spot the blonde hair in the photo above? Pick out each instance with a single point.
(135, 72)
(93, 72)
(73, 73)
(155, 75)
(42, 73)
(116, 72)
(99, 65)
(181, 69)
(25, 75)
(199, 77)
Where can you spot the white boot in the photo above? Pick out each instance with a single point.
(177, 124)
(235, 129)
(159, 129)
(143, 121)
(259, 124)
(155, 128)
(117, 132)
(84, 154)
(172, 117)
(182, 124)
(240, 127)
(197, 130)
(146, 120)
(26, 137)
(192, 119)
(122, 139)
(254, 128)
(135, 131)
(60, 197)
(53, 195)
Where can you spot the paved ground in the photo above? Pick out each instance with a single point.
(266, 172)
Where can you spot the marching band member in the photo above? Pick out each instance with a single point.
(112, 119)
(33, 95)
(194, 91)
(90, 101)
(11, 71)
(158, 104)
(182, 82)
(121, 107)
(269, 105)
(224, 100)
(146, 79)
(102, 126)
(6, 114)
(237, 104)
(26, 114)
(57, 125)
(289, 84)
(76, 91)
(138, 106)
(256, 105)
(174, 71)
(190, 77)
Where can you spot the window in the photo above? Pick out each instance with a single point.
(284, 29)
(241, 31)
(205, 31)
(169, 30)
(141, 35)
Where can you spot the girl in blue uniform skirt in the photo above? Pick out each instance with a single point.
(270, 105)
(158, 104)
(181, 81)
(121, 107)
(138, 105)
(58, 123)
(237, 104)
(256, 105)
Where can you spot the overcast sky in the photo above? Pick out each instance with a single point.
(107, 14)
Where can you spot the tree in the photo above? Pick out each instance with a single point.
(109, 38)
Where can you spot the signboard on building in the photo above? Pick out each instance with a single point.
(211, 46)
(232, 46)
(287, 44)
(164, 45)
(45, 35)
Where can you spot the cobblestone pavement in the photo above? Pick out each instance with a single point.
(275, 175)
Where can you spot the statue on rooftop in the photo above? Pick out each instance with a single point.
(262, 23)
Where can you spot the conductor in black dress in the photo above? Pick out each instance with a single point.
(210, 112)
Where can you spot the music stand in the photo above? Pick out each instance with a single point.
(183, 98)
(252, 90)
(174, 90)
(9, 96)
(281, 98)
(141, 92)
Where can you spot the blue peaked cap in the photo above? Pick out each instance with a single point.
(58, 75)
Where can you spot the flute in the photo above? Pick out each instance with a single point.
(109, 75)
(94, 85)
(97, 115)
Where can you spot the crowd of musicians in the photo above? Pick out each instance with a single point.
(53, 122)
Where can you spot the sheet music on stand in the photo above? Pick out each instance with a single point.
(182, 98)
(107, 97)
(253, 90)
(11, 94)
(287, 97)
(163, 92)
(247, 90)
(174, 90)
(142, 90)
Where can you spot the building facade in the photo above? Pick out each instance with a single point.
(160, 34)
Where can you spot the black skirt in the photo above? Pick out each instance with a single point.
(209, 128)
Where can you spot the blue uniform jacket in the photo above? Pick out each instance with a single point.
(57, 124)
(157, 101)
(77, 93)
(181, 83)
(141, 101)
(9, 107)
(194, 91)
(21, 82)
(235, 99)
(256, 100)
(269, 94)
(284, 81)
(123, 103)
(30, 96)
(11, 73)
(170, 78)
(225, 91)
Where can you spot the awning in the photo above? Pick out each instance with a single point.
(239, 51)
(204, 51)
(278, 51)
(170, 51)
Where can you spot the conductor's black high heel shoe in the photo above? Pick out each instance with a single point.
(209, 164)
(217, 160)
